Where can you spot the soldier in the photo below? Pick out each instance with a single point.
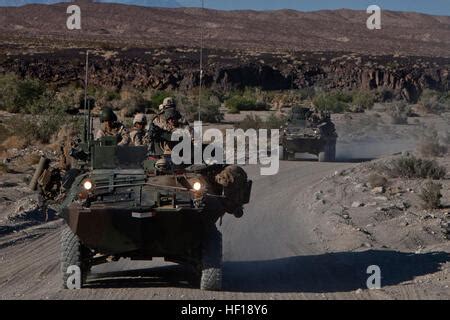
(138, 135)
(161, 120)
(314, 116)
(111, 127)
(161, 129)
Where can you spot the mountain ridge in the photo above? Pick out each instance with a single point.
(121, 25)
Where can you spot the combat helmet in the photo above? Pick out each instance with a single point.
(169, 102)
(108, 115)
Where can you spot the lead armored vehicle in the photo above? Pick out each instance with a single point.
(308, 131)
(128, 204)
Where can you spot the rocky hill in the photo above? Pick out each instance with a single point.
(341, 30)
(178, 68)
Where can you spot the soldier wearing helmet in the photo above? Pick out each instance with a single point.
(161, 119)
(110, 126)
(138, 134)
(162, 127)
(169, 102)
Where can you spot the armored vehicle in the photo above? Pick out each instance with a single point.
(308, 131)
(126, 203)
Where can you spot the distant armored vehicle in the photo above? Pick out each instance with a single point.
(308, 131)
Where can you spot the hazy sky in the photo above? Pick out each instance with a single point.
(427, 6)
(438, 7)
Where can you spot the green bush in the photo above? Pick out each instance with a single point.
(8, 92)
(23, 96)
(428, 94)
(210, 107)
(414, 168)
(209, 112)
(434, 102)
(250, 99)
(241, 103)
(343, 96)
(431, 195)
(336, 102)
(158, 98)
(31, 96)
(70, 98)
(30, 91)
(256, 122)
(429, 145)
(399, 113)
(38, 128)
(341, 101)
(363, 100)
(306, 93)
(274, 121)
(251, 122)
(233, 109)
(112, 95)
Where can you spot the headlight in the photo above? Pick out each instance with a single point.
(87, 185)
(197, 186)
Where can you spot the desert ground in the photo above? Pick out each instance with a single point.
(309, 232)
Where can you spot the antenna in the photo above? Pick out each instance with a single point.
(87, 107)
(201, 66)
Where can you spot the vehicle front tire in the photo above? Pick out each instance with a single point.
(73, 253)
(211, 267)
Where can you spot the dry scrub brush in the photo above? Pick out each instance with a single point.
(431, 195)
(410, 167)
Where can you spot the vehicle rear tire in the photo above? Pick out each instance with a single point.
(328, 154)
(290, 156)
(73, 253)
(332, 153)
(211, 276)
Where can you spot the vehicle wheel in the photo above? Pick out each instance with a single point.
(328, 154)
(290, 156)
(73, 253)
(322, 156)
(281, 153)
(211, 277)
(332, 153)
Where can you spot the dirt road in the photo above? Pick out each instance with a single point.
(277, 251)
